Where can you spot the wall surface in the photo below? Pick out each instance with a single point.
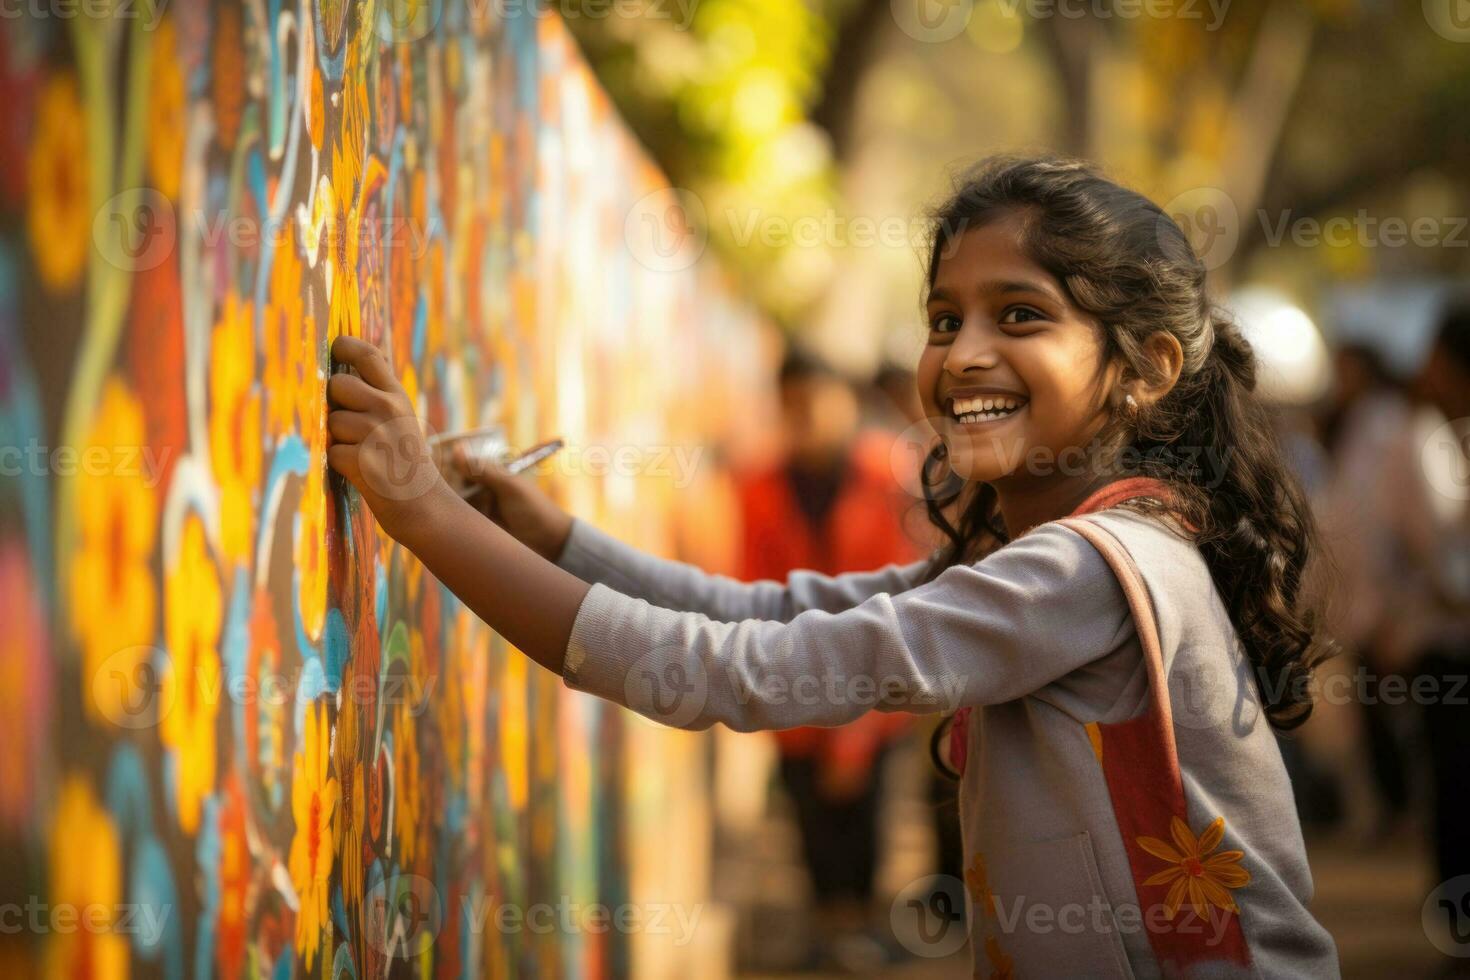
(246, 734)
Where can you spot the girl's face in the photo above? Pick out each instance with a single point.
(1002, 333)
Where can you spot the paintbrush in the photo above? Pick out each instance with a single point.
(489, 446)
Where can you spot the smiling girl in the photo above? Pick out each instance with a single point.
(1117, 623)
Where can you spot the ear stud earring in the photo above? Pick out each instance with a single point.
(1130, 402)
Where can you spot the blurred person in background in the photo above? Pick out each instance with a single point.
(1371, 502)
(1437, 627)
(832, 504)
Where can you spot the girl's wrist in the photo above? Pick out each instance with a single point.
(430, 514)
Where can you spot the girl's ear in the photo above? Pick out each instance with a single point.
(1166, 358)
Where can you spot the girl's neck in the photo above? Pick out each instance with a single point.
(1023, 506)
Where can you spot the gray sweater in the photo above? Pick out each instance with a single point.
(1038, 639)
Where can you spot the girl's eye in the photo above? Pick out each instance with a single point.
(939, 323)
(1021, 314)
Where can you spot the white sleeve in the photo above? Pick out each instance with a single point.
(1026, 616)
(595, 556)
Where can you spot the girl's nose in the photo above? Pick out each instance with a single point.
(973, 349)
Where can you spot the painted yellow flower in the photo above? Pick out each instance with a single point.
(351, 816)
(345, 305)
(191, 686)
(234, 425)
(113, 596)
(314, 799)
(977, 881)
(59, 217)
(406, 786)
(1204, 877)
(290, 378)
(166, 113)
(310, 548)
(86, 871)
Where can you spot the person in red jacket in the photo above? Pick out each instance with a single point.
(832, 504)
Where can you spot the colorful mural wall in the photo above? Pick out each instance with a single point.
(247, 735)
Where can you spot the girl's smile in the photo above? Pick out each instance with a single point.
(983, 406)
(1012, 367)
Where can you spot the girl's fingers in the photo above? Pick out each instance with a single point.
(343, 459)
(476, 468)
(349, 427)
(369, 362)
(350, 391)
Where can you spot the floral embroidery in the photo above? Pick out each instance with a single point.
(977, 882)
(1194, 871)
(1094, 737)
(1002, 966)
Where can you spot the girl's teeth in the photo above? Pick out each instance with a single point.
(976, 409)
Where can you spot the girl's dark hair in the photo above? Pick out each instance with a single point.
(1121, 259)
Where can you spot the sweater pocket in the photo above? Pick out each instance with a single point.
(1049, 915)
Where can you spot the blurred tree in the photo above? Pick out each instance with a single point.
(1315, 107)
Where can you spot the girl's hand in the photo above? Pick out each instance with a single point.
(516, 504)
(378, 442)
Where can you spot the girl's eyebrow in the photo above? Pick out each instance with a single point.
(1000, 286)
(1018, 286)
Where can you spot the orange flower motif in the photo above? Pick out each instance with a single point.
(1002, 967)
(60, 216)
(290, 346)
(977, 881)
(191, 687)
(234, 425)
(112, 589)
(86, 873)
(166, 113)
(314, 798)
(1205, 878)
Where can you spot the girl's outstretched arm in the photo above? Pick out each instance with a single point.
(530, 514)
(1032, 613)
(379, 446)
(595, 556)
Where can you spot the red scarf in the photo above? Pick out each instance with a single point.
(1109, 496)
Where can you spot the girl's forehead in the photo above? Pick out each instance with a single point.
(989, 258)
